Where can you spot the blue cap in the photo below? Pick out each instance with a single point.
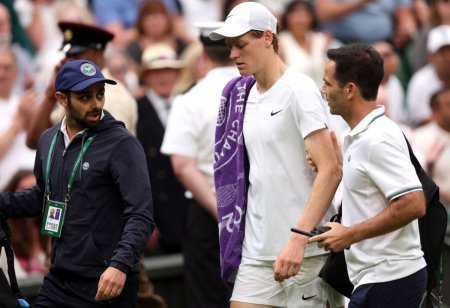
(77, 75)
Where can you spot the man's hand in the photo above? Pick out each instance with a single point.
(290, 258)
(27, 103)
(111, 284)
(334, 240)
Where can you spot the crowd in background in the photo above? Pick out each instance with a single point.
(412, 36)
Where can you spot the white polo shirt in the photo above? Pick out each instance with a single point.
(377, 169)
(275, 126)
(192, 120)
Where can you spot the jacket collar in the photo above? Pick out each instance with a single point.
(63, 130)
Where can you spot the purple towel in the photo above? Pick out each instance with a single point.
(231, 173)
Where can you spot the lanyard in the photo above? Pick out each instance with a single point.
(74, 169)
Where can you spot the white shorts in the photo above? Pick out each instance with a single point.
(255, 284)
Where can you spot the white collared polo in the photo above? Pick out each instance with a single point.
(377, 169)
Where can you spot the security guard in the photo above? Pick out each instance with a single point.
(189, 140)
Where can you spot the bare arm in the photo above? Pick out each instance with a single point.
(192, 178)
(40, 121)
(329, 173)
(35, 29)
(400, 212)
(329, 10)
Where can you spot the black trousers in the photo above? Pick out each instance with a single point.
(63, 291)
(405, 292)
(202, 262)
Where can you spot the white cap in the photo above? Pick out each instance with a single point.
(438, 37)
(206, 27)
(243, 18)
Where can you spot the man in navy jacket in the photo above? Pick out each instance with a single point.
(92, 169)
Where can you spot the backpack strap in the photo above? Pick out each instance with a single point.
(434, 259)
(5, 241)
(11, 271)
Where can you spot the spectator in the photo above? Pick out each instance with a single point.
(391, 93)
(117, 17)
(439, 15)
(277, 7)
(302, 47)
(160, 70)
(189, 140)
(19, 34)
(431, 77)
(119, 65)
(15, 113)
(25, 63)
(154, 25)
(433, 140)
(354, 21)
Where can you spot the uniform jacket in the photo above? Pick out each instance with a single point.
(170, 203)
(109, 217)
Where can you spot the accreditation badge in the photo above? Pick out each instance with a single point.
(53, 219)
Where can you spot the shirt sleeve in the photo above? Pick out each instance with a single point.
(390, 168)
(308, 108)
(181, 130)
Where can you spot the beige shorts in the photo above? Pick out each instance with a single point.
(255, 284)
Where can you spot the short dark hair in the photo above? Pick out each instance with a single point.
(218, 54)
(360, 64)
(434, 100)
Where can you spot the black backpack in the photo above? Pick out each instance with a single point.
(10, 295)
(432, 229)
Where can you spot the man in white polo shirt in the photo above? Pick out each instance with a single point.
(189, 140)
(382, 196)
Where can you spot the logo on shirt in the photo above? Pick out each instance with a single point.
(85, 166)
(305, 298)
(274, 113)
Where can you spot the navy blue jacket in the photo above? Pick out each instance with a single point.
(109, 217)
